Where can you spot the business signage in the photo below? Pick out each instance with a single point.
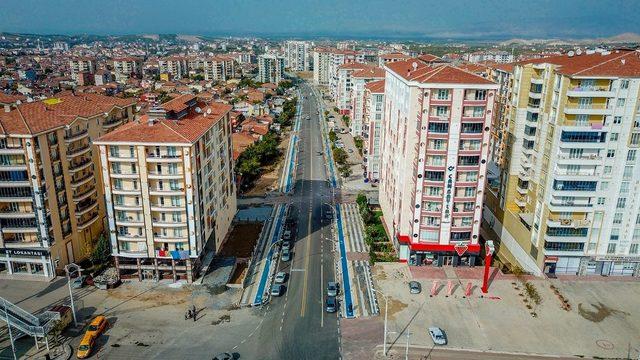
(449, 193)
(24, 252)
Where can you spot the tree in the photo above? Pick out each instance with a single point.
(332, 136)
(98, 251)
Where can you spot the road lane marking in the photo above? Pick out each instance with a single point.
(321, 292)
(303, 306)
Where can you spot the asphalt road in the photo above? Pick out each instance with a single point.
(296, 325)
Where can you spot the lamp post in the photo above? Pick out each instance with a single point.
(69, 268)
(385, 320)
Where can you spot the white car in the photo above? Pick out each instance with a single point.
(438, 336)
(286, 235)
(280, 277)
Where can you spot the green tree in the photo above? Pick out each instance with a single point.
(332, 136)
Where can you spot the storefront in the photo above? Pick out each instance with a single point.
(28, 262)
(602, 265)
(422, 254)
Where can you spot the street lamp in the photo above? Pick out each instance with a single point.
(69, 268)
(385, 320)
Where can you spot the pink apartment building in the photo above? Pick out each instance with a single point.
(433, 161)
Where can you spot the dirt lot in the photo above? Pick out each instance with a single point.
(242, 239)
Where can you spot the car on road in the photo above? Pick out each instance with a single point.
(343, 131)
(339, 145)
(415, 287)
(223, 356)
(437, 335)
(277, 289)
(333, 288)
(331, 304)
(286, 235)
(280, 278)
(286, 245)
(286, 255)
(85, 347)
(97, 326)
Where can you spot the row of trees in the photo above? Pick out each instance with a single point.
(256, 156)
(339, 156)
(380, 249)
(288, 112)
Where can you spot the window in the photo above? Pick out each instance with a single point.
(429, 235)
(631, 155)
(442, 111)
(611, 153)
(622, 202)
(628, 172)
(620, 103)
(617, 218)
(611, 248)
(582, 119)
(615, 235)
(617, 119)
(443, 94)
(604, 185)
(113, 150)
(607, 170)
(624, 187)
(633, 249)
(624, 84)
(600, 201)
(613, 137)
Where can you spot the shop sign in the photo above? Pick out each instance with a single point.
(449, 192)
(24, 252)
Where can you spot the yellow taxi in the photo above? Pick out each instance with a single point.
(98, 326)
(85, 347)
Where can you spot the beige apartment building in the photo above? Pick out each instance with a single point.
(127, 67)
(563, 197)
(81, 65)
(51, 202)
(169, 188)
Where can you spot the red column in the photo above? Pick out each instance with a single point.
(487, 266)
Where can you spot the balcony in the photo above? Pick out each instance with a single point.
(124, 175)
(125, 207)
(8, 214)
(13, 166)
(585, 159)
(130, 237)
(537, 81)
(569, 206)
(80, 165)
(577, 110)
(520, 202)
(19, 226)
(566, 239)
(535, 95)
(16, 194)
(164, 175)
(85, 194)
(75, 183)
(152, 157)
(85, 208)
(166, 191)
(121, 191)
(590, 91)
(71, 153)
(169, 238)
(11, 150)
(522, 190)
(129, 221)
(167, 207)
(75, 137)
(108, 124)
(173, 224)
(87, 222)
(571, 223)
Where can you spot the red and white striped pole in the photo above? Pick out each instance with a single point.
(489, 249)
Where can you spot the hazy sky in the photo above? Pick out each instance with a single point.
(440, 18)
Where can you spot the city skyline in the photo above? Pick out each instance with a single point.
(458, 20)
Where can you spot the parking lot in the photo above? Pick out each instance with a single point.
(604, 319)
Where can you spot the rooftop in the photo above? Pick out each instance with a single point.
(376, 87)
(413, 70)
(607, 63)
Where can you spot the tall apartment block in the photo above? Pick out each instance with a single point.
(270, 68)
(51, 201)
(566, 200)
(372, 129)
(321, 61)
(220, 68)
(80, 65)
(356, 104)
(169, 188)
(297, 55)
(433, 161)
(177, 67)
(341, 88)
(127, 67)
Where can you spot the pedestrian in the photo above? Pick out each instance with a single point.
(194, 313)
(187, 314)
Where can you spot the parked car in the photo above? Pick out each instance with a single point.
(286, 235)
(415, 287)
(280, 277)
(98, 325)
(277, 289)
(223, 356)
(332, 304)
(286, 245)
(332, 288)
(438, 336)
(286, 255)
(85, 347)
(79, 281)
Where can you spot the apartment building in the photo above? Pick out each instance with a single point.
(127, 67)
(567, 201)
(270, 68)
(80, 65)
(501, 57)
(384, 59)
(169, 188)
(433, 160)
(220, 68)
(321, 61)
(177, 67)
(51, 202)
(341, 89)
(372, 129)
(502, 74)
(297, 55)
(339, 58)
(356, 104)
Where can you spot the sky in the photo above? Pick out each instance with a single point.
(308, 18)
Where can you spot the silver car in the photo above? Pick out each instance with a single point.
(438, 336)
(332, 288)
(415, 287)
(277, 290)
(280, 278)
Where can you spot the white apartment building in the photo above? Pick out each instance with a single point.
(338, 59)
(169, 188)
(80, 65)
(566, 201)
(356, 105)
(372, 129)
(341, 89)
(127, 67)
(321, 62)
(433, 161)
(177, 67)
(501, 57)
(297, 55)
(270, 68)
(220, 68)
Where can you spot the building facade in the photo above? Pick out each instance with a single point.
(297, 55)
(433, 160)
(168, 183)
(80, 65)
(372, 129)
(176, 67)
(270, 68)
(356, 105)
(126, 68)
(51, 201)
(220, 68)
(567, 201)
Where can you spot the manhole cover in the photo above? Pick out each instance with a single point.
(605, 344)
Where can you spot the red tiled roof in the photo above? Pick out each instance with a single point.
(10, 99)
(178, 103)
(186, 130)
(430, 58)
(41, 116)
(413, 70)
(353, 66)
(615, 63)
(369, 73)
(394, 56)
(376, 87)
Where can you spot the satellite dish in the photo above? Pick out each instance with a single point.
(414, 65)
(198, 110)
(570, 53)
(578, 52)
(208, 111)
